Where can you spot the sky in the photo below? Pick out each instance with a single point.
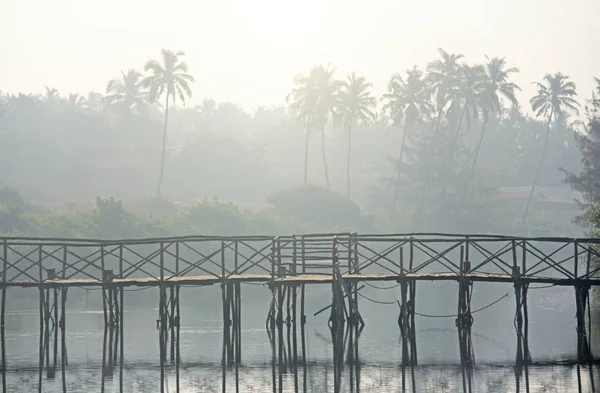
(247, 52)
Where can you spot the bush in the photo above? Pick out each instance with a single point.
(318, 205)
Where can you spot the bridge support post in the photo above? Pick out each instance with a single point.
(337, 319)
(112, 315)
(522, 322)
(231, 323)
(406, 322)
(464, 319)
(584, 349)
(49, 325)
(172, 317)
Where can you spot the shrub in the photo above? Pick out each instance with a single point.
(318, 205)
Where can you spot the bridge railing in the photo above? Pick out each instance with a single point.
(32, 261)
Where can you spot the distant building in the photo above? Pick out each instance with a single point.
(546, 198)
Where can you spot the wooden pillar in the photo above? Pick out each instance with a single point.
(50, 326)
(279, 322)
(225, 333)
(412, 330)
(229, 324)
(63, 342)
(172, 321)
(3, 312)
(238, 332)
(464, 319)
(584, 350)
(162, 318)
(177, 322)
(337, 318)
(295, 336)
(121, 314)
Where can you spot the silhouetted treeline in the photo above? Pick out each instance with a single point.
(447, 148)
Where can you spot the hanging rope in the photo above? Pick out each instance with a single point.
(376, 287)
(435, 316)
(372, 300)
(472, 312)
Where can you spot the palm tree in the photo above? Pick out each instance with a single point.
(314, 100)
(442, 74)
(496, 86)
(468, 95)
(50, 96)
(407, 100)
(553, 98)
(94, 102)
(171, 79)
(302, 100)
(75, 102)
(355, 105)
(127, 93)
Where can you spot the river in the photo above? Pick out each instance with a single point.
(551, 325)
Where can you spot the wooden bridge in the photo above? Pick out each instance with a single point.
(288, 264)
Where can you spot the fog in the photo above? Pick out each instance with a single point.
(238, 139)
(246, 52)
(131, 119)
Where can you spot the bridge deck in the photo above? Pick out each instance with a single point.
(304, 279)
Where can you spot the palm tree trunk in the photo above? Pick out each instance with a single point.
(472, 177)
(324, 155)
(436, 127)
(164, 148)
(458, 126)
(539, 168)
(399, 170)
(306, 153)
(348, 164)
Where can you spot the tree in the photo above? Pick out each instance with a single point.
(406, 100)
(3, 104)
(314, 100)
(468, 95)
(171, 79)
(588, 181)
(496, 85)
(302, 100)
(127, 93)
(50, 96)
(552, 100)
(75, 102)
(442, 75)
(355, 105)
(94, 102)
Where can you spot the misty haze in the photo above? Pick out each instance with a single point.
(299, 196)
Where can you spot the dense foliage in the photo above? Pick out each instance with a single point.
(444, 149)
(588, 181)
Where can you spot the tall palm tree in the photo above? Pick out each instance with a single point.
(314, 101)
(355, 105)
(169, 78)
(407, 99)
(127, 93)
(468, 95)
(554, 97)
(302, 101)
(495, 87)
(443, 75)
